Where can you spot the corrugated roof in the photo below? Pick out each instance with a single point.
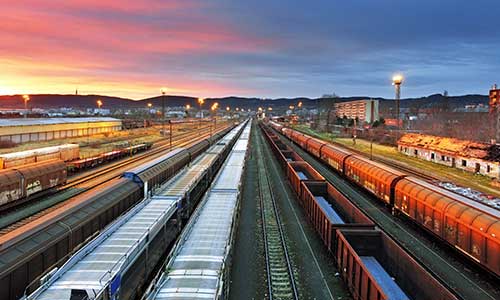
(450, 146)
(52, 121)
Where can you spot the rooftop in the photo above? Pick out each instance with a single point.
(51, 121)
(452, 146)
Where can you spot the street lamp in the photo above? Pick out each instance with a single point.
(214, 111)
(163, 91)
(187, 110)
(200, 102)
(397, 80)
(26, 98)
(300, 104)
(149, 114)
(99, 104)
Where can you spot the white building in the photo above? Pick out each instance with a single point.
(364, 110)
(44, 129)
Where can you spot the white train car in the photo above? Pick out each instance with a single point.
(66, 152)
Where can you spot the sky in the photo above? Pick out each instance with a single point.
(258, 48)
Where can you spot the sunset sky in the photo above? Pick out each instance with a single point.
(256, 48)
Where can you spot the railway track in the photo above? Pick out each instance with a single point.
(33, 210)
(280, 277)
(439, 262)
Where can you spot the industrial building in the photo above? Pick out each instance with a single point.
(34, 130)
(364, 110)
(470, 156)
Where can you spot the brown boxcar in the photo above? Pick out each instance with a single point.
(375, 267)
(314, 146)
(469, 226)
(334, 156)
(42, 176)
(301, 139)
(288, 132)
(11, 188)
(299, 171)
(329, 210)
(376, 178)
(295, 135)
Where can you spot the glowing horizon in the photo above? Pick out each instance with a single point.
(257, 48)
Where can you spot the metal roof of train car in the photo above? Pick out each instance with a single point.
(138, 174)
(94, 267)
(27, 153)
(30, 246)
(52, 121)
(195, 268)
(449, 194)
(101, 262)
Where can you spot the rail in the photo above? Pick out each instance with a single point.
(280, 276)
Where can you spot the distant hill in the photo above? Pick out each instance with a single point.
(86, 101)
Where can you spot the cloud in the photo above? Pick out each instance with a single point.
(264, 48)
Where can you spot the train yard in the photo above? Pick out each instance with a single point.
(447, 265)
(49, 238)
(250, 210)
(16, 213)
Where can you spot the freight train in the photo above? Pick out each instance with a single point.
(470, 227)
(91, 162)
(30, 172)
(27, 256)
(66, 152)
(372, 265)
(21, 182)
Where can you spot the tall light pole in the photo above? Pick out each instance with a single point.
(397, 80)
(99, 104)
(149, 114)
(200, 102)
(214, 113)
(163, 96)
(26, 98)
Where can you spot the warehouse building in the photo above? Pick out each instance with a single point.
(34, 130)
(469, 156)
(364, 110)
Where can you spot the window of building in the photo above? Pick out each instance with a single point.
(464, 163)
(488, 168)
(415, 152)
(443, 158)
(432, 156)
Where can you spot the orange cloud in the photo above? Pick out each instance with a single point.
(108, 46)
